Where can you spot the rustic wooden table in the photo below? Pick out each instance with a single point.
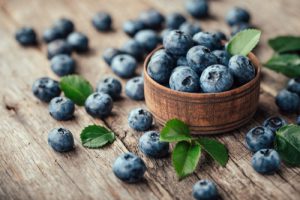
(30, 169)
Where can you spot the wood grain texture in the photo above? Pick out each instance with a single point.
(31, 170)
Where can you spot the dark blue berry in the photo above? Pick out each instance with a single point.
(259, 137)
(220, 35)
(240, 27)
(294, 85)
(102, 21)
(164, 33)
(131, 27)
(63, 65)
(64, 26)
(274, 123)
(61, 108)
(237, 15)
(208, 40)
(99, 105)
(241, 68)
(152, 19)
(57, 47)
(148, 39)
(182, 61)
(140, 119)
(189, 28)
(110, 86)
(177, 43)
(222, 56)
(133, 48)
(52, 34)
(26, 36)
(135, 88)
(78, 41)
(266, 161)
(124, 65)
(150, 145)
(205, 190)
(287, 101)
(197, 8)
(184, 79)
(174, 20)
(61, 140)
(109, 54)
(45, 89)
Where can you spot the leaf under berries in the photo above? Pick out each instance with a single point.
(95, 136)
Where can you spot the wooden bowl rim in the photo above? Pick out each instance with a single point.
(242, 88)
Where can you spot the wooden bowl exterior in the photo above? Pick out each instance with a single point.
(205, 113)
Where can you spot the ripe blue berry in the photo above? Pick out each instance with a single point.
(222, 56)
(287, 101)
(99, 105)
(182, 61)
(184, 79)
(63, 65)
(78, 41)
(140, 119)
(197, 8)
(174, 20)
(189, 28)
(241, 68)
(133, 48)
(131, 27)
(294, 85)
(135, 88)
(26, 36)
(148, 39)
(208, 40)
(52, 34)
(259, 138)
(61, 140)
(102, 21)
(274, 123)
(266, 161)
(57, 47)
(64, 26)
(177, 43)
(109, 54)
(110, 86)
(152, 19)
(237, 15)
(45, 89)
(129, 168)
(61, 108)
(239, 27)
(164, 33)
(220, 35)
(150, 145)
(124, 65)
(205, 190)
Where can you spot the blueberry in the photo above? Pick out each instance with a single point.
(220, 35)
(189, 28)
(177, 43)
(164, 33)
(140, 119)
(287, 101)
(61, 140)
(57, 47)
(135, 88)
(241, 68)
(131, 27)
(258, 138)
(52, 34)
(266, 161)
(99, 105)
(182, 61)
(45, 89)
(222, 56)
(298, 120)
(129, 168)
(102, 21)
(63, 65)
(274, 123)
(152, 19)
(148, 39)
(216, 78)
(160, 66)
(294, 85)
(237, 15)
(197, 8)
(133, 48)
(205, 190)
(200, 57)
(110, 86)
(174, 20)
(208, 40)
(64, 26)
(124, 65)
(150, 145)
(78, 41)
(239, 27)
(184, 79)
(26, 36)
(109, 54)
(61, 108)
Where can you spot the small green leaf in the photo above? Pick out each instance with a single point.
(287, 64)
(185, 158)
(175, 130)
(243, 42)
(95, 136)
(287, 144)
(284, 44)
(76, 88)
(215, 149)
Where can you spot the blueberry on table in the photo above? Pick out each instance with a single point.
(64, 26)
(109, 54)
(199, 58)
(45, 89)
(134, 88)
(78, 41)
(129, 168)
(98, 105)
(274, 123)
(110, 86)
(240, 27)
(133, 48)
(294, 85)
(148, 39)
(197, 8)
(26, 36)
(182, 61)
(124, 65)
(102, 21)
(259, 137)
(174, 20)
(205, 190)
(266, 161)
(208, 40)
(131, 27)
(222, 57)
(184, 79)
(216, 78)
(177, 43)
(287, 101)
(52, 34)
(61, 140)
(61, 108)
(63, 65)
(241, 68)
(237, 15)
(190, 28)
(140, 119)
(57, 47)
(150, 145)
(152, 19)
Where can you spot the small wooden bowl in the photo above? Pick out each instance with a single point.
(205, 113)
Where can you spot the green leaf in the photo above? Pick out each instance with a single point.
(76, 88)
(175, 130)
(287, 64)
(243, 42)
(215, 149)
(95, 136)
(287, 144)
(185, 158)
(284, 44)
